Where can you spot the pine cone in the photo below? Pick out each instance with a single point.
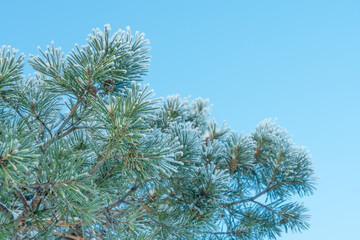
(93, 91)
(233, 164)
(108, 86)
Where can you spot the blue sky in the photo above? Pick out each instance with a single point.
(294, 60)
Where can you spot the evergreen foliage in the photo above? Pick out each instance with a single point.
(87, 152)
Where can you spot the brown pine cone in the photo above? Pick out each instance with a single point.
(233, 164)
(108, 86)
(93, 91)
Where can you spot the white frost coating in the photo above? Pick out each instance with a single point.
(17, 213)
(33, 233)
(107, 26)
(30, 201)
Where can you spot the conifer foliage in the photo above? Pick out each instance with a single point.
(87, 152)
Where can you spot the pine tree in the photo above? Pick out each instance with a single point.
(87, 152)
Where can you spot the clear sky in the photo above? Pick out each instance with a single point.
(298, 61)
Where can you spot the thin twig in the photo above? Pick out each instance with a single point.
(121, 200)
(57, 135)
(96, 166)
(38, 118)
(266, 207)
(268, 188)
(71, 114)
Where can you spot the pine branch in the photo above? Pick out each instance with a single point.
(268, 188)
(226, 233)
(71, 114)
(106, 151)
(177, 173)
(21, 116)
(38, 118)
(78, 121)
(57, 135)
(266, 207)
(121, 200)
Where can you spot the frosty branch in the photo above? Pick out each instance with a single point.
(87, 151)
